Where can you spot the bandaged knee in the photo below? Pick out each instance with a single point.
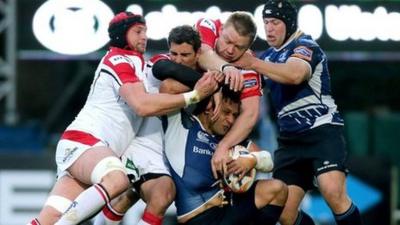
(105, 166)
(59, 203)
(264, 161)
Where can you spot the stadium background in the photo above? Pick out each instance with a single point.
(42, 90)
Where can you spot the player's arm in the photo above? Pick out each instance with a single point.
(259, 159)
(176, 78)
(293, 71)
(263, 158)
(249, 110)
(164, 69)
(239, 131)
(172, 86)
(210, 60)
(146, 104)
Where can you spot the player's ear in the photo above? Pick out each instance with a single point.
(220, 30)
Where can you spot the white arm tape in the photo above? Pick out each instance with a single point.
(191, 97)
(59, 203)
(264, 161)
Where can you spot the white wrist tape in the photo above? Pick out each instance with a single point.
(191, 97)
(264, 161)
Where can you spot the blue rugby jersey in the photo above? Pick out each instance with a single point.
(309, 104)
(188, 149)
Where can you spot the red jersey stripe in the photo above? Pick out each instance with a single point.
(79, 136)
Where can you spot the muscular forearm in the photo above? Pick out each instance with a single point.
(292, 72)
(159, 104)
(146, 104)
(244, 123)
(209, 60)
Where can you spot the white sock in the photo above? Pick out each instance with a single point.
(108, 216)
(85, 205)
(141, 222)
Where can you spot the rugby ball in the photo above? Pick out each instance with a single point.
(232, 181)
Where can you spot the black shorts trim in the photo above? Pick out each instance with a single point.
(146, 177)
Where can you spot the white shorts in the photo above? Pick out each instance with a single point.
(69, 151)
(144, 156)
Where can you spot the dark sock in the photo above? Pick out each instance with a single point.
(269, 215)
(303, 219)
(350, 217)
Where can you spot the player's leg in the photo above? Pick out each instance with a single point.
(64, 191)
(330, 168)
(113, 212)
(332, 186)
(158, 194)
(100, 167)
(298, 175)
(270, 198)
(291, 214)
(146, 168)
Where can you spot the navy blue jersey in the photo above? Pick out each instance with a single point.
(309, 104)
(189, 148)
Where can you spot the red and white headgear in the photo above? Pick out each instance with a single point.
(119, 25)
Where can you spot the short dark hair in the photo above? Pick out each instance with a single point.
(185, 34)
(243, 23)
(227, 94)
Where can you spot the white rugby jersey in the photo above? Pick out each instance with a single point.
(106, 116)
(151, 133)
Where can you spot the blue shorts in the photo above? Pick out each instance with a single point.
(302, 157)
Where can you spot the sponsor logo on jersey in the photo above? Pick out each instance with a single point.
(69, 153)
(131, 166)
(202, 151)
(117, 59)
(283, 57)
(303, 52)
(213, 145)
(208, 24)
(250, 83)
(202, 137)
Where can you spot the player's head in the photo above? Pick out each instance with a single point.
(280, 21)
(127, 30)
(236, 36)
(184, 44)
(230, 108)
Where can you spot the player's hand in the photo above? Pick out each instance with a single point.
(245, 61)
(219, 76)
(233, 77)
(206, 86)
(219, 161)
(241, 165)
(217, 98)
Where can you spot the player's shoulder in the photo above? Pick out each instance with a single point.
(115, 57)
(208, 23)
(158, 57)
(307, 41)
